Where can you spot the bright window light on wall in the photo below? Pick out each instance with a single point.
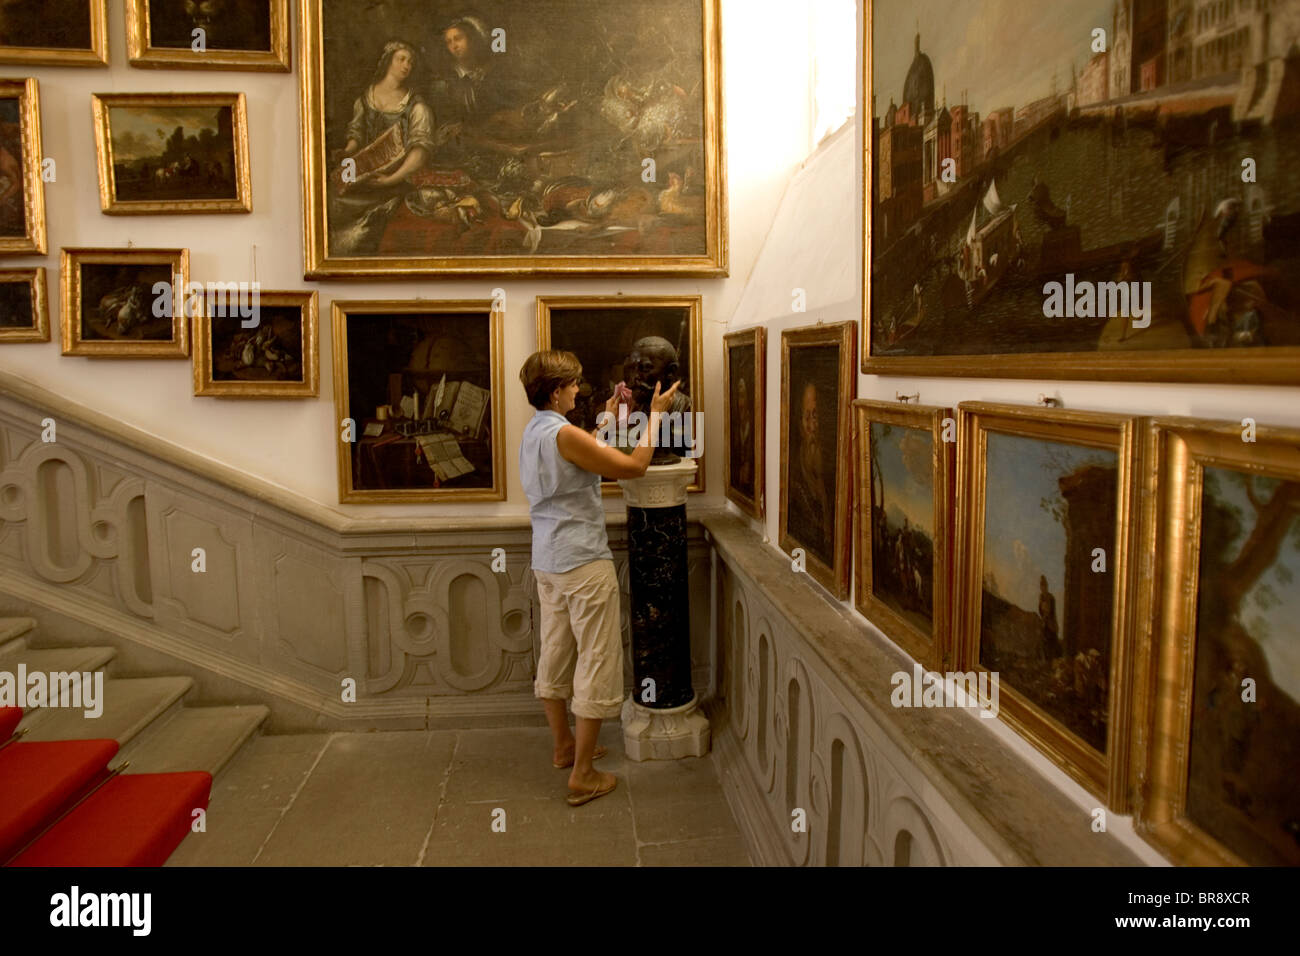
(834, 31)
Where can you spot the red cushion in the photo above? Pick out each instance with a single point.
(37, 780)
(9, 717)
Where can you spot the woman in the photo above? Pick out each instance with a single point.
(388, 102)
(560, 467)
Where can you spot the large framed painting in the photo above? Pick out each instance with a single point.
(208, 34)
(904, 457)
(264, 348)
(744, 382)
(552, 137)
(1047, 527)
(172, 153)
(1218, 686)
(125, 303)
(636, 342)
(54, 32)
(818, 385)
(24, 314)
(22, 190)
(1107, 197)
(417, 391)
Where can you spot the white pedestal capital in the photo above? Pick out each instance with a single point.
(662, 486)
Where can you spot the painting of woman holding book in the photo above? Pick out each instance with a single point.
(389, 138)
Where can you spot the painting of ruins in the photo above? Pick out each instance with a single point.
(557, 136)
(1245, 745)
(1107, 195)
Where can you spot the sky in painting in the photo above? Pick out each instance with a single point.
(1278, 609)
(1021, 539)
(906, 463)
(141, 132)
(1002, 52)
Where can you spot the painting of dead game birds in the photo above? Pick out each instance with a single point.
(1244, 748)
(125, 303)
(1109, 194)
(53, 32)
(557, 135)
(257, 346)
(172, 153)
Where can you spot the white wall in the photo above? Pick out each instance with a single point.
(293, 443)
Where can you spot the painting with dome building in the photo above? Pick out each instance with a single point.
(557, 136)
(1085, 189)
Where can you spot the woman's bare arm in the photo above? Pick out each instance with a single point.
(589, 454)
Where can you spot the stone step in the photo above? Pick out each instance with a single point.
(48, 660)
(129, 706)
(196, 738)
(14, 631)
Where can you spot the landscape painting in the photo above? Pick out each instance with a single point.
(561, 136)
(1110, 195)
(172, 153)
(1241, 786)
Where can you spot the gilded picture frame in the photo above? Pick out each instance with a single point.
(1221, 503)
(818, 362)
(744, 463)
(1214, 265)
(165, 177)
(890, 463)
(241, 40)
(430, 342)
(22, 292)
(536, 177)
(55, 33)
(108, 299)
(1087, 467)
(279, 357)
(603, 330)
(22, 206)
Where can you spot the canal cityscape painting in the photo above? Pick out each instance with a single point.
(1086, 189)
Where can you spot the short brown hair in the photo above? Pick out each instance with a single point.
(544, 372)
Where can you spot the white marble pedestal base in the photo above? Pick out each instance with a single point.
(665, 734)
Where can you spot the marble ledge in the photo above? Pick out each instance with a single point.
(1006, 802)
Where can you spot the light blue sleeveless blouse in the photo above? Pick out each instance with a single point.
(563, 500)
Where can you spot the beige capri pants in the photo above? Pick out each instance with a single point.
(582, 645)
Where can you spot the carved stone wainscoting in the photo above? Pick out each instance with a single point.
(111, 536)
(802, 721)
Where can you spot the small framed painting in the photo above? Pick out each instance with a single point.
(1218, 684)
(637, 341)
(744, 382)
(200, 166)
(904, 460)
(1046, 537)
(263, 347)
(54, 32)
(818, 384)
(125, 303)
(417, 388)
(208, 35)
(22, 191)
(24, 314)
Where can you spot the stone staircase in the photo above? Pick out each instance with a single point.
(147, 716)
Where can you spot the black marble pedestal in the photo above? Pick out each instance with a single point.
(661, 608)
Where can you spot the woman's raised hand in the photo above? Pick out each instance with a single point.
(661, 403)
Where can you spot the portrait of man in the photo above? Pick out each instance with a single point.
(811, 497)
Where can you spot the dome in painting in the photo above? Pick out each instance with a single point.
(918, 90)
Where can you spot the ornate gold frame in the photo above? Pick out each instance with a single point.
(142, 53)
(935, 650)
(340, 312)
(1272, 366)
(95, 55)
(319, 264)
(70, 263)
(1104, 774)
(756, 337)
(841, 334)
(40, 330)
(1177, 451)
(29, 110)
(546, 303)
(309, 387)
(102, 103)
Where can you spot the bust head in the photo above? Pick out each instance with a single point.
(652, 360)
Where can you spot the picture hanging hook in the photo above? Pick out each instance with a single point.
(1047, 401)
(907, 398)
(253, 256)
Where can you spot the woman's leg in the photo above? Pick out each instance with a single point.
(594, 612)
(554, 684)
